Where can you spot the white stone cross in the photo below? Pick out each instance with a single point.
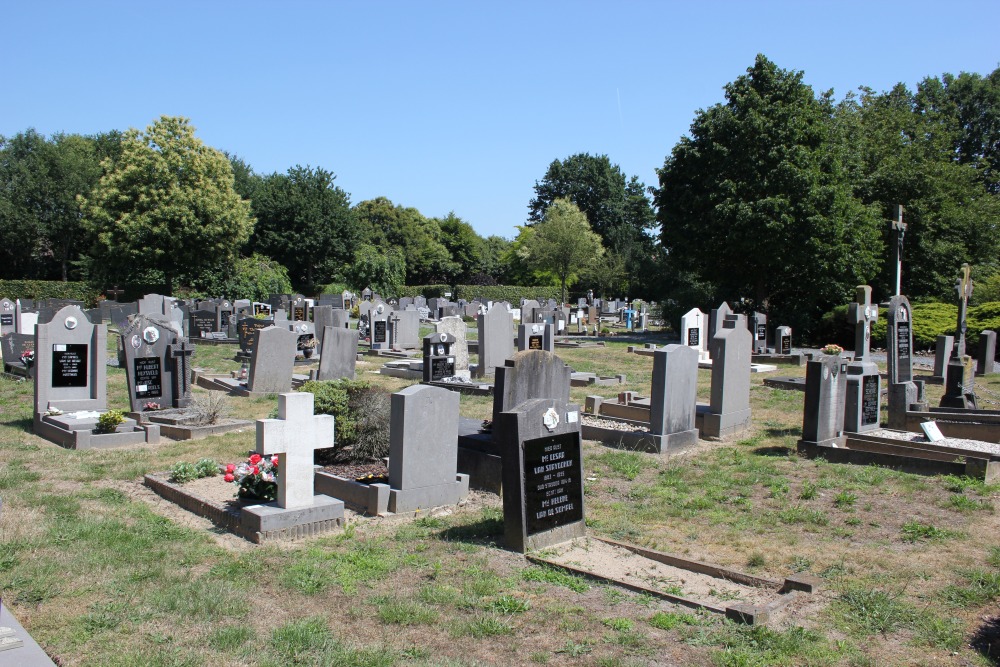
(862, 314)
(293, 436)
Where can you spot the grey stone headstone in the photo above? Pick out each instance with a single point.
(729, 410)
(341, 319)
(496, 339)
(535, 337)
(826, 395)
(423, 448)
(306, 337)
(542, 472)
(674, 391)
(405, 331)
(8, 322)
(528, 375)
(715, 319)
(987, 352)
(70, 363)
(455, 326)
(272, 358)
(322, 318)
(758, 327)
(862, 313)
(528, 307)
(339, 354)
(378, 325)
(943, 349)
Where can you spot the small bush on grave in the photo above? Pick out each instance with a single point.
(209, 408)
(362, 418)
(109, 421)
(184, 472)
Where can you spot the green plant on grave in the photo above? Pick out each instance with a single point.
(184, 472)
(362, 417)
(109, 421)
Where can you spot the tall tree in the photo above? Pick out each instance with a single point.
(618, 208)
(166, 206)
(758, 201)
(419, 238)
(305, 222)
(379, 269)
(465, 246)
(562, 243)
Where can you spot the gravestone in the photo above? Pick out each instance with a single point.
(322, 318)
(293, 437)
(987, 352)
(156, 364)
(404, 333)
(959, 379)
(298, 310)
(439, 357)
(674, 396)
(905, 393)
(528, 375)
(423, 450)
(272, 358)
(758, 327)
(694, 326)
(202, 322)
(729, 410)
(339, 355)
(455, 327)
(496, 339)
(12, 346)
(305, 343)
(528, 307)
(378, 323)
(715, 320)
(944, 347)
(341, 319)
(826, 394)
(542, 469)
(7, 312)
(862, 410)
(246, 330)
(783, 340)
(535, 337)
(25, 318)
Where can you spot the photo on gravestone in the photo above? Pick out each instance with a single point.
(870, 400)
(69, 365)
(148, 377)
(553, 493)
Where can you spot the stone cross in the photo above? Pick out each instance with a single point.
(964, 288)
(114, 294)
(898, 231)
(862, 314)
(293, 436)
(181, 353)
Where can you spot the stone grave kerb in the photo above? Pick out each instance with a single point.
(862, 313)
(293, 437)
(62, 345)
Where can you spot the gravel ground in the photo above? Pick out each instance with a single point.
(958, 443)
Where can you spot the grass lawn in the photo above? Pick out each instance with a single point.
(101, 572)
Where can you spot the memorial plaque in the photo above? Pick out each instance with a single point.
(761, 332)
(246, 329)
(553, 491)
(69, 365)
(694, 335)
(442, 367)
(903, 363)
(299, 313)
(379, 336)
(7, 319)
(535, 342)
(148, 377)
(202, 322)
(869, 400)
(786, 345)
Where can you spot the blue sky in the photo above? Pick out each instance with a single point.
(452, 105)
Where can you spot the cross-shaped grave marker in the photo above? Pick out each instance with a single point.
(293, 436)
(898, 230)
(964, 288)
(862, 314)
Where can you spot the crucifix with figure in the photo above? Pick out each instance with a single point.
(964, 288)
(898, 231)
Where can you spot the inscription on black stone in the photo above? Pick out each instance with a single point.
(225, 317)
(534, 342)
(148, 377)
(202, 322)
(441, 368)
(786, 345)
(299, 313)
(379, 334)
(553, 490)
(694, 335)
(869, 400)
(761, 332)
(246, 328)
(904, 368)
(69, 365)
(7, 319)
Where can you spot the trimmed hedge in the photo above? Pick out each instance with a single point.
(429, 291)
(48, 289)
(509, 293)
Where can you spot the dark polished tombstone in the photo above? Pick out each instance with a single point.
(439, 360)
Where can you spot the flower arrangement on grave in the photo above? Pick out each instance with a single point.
(832, 349)
(256, 478)
(28, 358)
(151, 406)
(372, 478)
(109, 421)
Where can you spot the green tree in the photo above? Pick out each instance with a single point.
(167, 205)
(382, 270)
(493, 268)
(305, 222)
(562, 243)
(465, 246)
(758, 200)
(255, 277)
(420, 239)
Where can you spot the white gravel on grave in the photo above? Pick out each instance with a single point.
(957, 443)
(590, 420)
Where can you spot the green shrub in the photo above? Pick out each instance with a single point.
(428, 291)
(509, 293)
(49, 289)
(255, 278)
(109, 421)
(206, 468)
(361, 412)
(930, 320)
(183, 472)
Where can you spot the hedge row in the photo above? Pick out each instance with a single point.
(429, 291)
(48, 289)
(509, 293)
(930, 320)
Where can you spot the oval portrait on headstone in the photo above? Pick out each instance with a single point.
(150, 335)
(136, 343)
(550, 419)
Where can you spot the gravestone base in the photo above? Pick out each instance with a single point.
(479, 459)
(410, 500)
(369, 499)
(904, 397)
(180, 424)
(797, 359)
(589, 379)
(639, 440)
(958, 385)
(715, 426)
(239, 387)
(71, 433)
(272, 522)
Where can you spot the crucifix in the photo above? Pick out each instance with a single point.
(862, 314)
(964, 288)
(898, 231)
(294, 436)
(114, 293)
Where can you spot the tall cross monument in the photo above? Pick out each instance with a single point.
(898, 231)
